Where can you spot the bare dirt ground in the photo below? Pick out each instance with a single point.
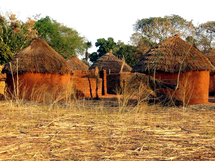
(96, 130)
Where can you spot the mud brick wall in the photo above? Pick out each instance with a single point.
(86, 87)
(193, 86)
(81, 73)
(38, 86)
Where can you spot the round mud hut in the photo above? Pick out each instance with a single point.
(117, 75)
(178, 62)
(37, 72)
(77, 64)
(211, 57)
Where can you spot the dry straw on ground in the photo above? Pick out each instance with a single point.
(95, 130)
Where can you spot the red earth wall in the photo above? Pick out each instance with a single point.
(38, 86)
(86, 87)
(193, 86)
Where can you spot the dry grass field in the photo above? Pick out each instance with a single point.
(101, 130)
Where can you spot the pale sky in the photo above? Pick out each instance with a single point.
(96, 19)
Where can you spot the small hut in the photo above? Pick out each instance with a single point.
(177, 62)
(118, 72)
(36, 70)
(211, 57)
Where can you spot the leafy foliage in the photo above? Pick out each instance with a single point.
(191, 40)
(88, 45)
(205, 36)
(5, 53)
(121, 50)
(143, 44)
(16, 34)
(158, 29)
(66, 41)
(93, 57)
(104, 47)
(128, 53)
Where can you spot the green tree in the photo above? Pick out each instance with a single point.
(128, 53)
(121, 50)
(88, 45)
(191, 40)
(66, 41)
(93, 57)
(5, 53)
(16, 34)
(143, 44)
(158, 29)
(206, 36)
(104, 47)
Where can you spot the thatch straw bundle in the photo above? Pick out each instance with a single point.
(38, 57)
(172, 56)
(77, 64)
(111, 64)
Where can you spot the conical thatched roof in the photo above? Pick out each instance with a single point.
(110, 63)
(77, 64)
(38, 57)
(172, 56)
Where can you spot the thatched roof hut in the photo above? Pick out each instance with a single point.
(172, 56)
(42, 73)
(111, 64)
(38, 57)
(77, 64)
(178, 62)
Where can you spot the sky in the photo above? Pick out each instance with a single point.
(96, 19)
